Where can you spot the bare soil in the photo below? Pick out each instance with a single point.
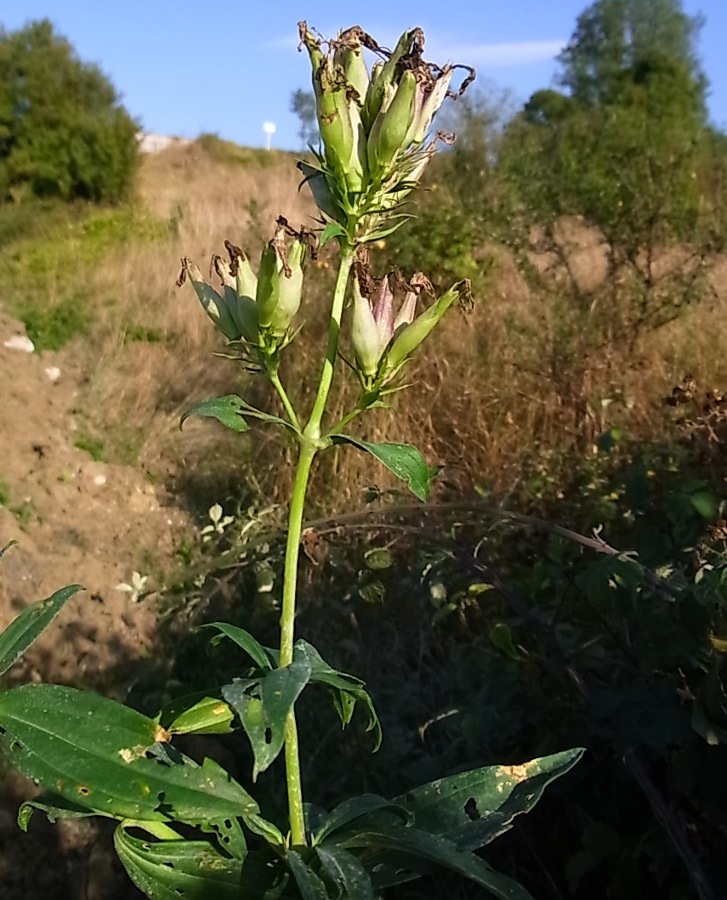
(75, 520)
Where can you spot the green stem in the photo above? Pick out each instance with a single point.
(284, 399)
(339, 293)
(308, 451)
(157, 829)
(309, 445)
(349, 417)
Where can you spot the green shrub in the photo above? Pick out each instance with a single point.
(63, 130)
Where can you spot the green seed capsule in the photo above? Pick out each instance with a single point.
(268, 284)
(289, 291)
(386, 141)
(213, 304)
(411, 336)
(365, 335)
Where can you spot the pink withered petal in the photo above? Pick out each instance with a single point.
(408, 310)
(383, 310)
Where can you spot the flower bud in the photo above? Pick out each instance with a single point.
(388, 139)
(386, 75)
(352, 63)
(290, 289)
(241, 308)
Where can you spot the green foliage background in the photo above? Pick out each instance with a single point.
(63, 130)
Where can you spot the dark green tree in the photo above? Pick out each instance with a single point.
(618, 43)
(303, 104)
(63, 130)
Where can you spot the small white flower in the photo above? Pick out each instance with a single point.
(219, 523)
(136, 588)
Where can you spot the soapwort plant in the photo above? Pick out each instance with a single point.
(189, 829)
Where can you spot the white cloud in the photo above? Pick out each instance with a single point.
(502, 54)
(514, 53)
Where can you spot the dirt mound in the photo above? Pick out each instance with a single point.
(75, 520)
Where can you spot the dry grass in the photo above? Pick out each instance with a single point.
(486, 402)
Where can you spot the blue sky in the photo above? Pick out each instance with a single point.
(226, 67)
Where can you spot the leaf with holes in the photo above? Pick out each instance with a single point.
(55, 808)
(168, 870)
(347, 690)
(263, 705)
(415, 851)
(404, 460)
(31, 622)
(111, 759)
(473, 808)
(227, 410)
(260, 655)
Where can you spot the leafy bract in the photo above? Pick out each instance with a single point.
(208, 716)
(263, 705)
(346, 689)
(404, 460)
(261, 656)
(227, 410)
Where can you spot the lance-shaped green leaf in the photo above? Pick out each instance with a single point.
(353, 810)
(346, 872)
(317, 181)
(30, 624)
(415, 851)
(404, 460)
(260, 655)
(111, 759)
(227, 409)
(166, 870)
(347, 689)
(473, 808)
(310, 886)
(263, 705)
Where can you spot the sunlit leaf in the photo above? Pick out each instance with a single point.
(404, 460)
(263, 705)
(208, 716)
(254, 649)
(227, 410)
(109, 758)
(166, 870)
